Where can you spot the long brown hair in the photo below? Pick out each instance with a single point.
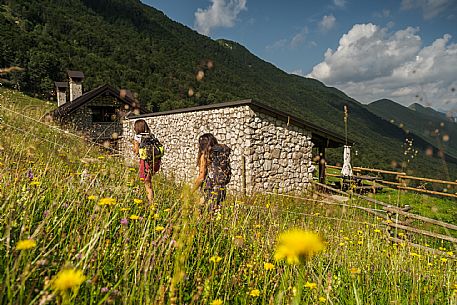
(141, 126)
(205, 143)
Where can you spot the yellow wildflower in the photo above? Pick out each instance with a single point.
(297, 244)
(377, 231)
(156, 216)
(360, 242)
(341, 243)
(215, 259)
(254, 293)
(25, 244)
(134, 217)
(137, 201)
(294, 290)
(217, 302)
(355, 270)
(36, 183)
(167, 210)
(249, 265)
(268, 266)
(92, 197)
(443, 259)
(450, 253)
(107, 201)
(322, 299)
(68, 278)
(415, 254)
(310, 285)
(159, 228)
(125, 209)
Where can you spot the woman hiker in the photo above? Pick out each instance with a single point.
(148, 166)
(213, 161)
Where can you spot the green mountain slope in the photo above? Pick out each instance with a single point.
(430, 125)
(130, 45)
(427, 110)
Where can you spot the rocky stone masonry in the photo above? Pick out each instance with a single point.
(81, 119)
(277, 156)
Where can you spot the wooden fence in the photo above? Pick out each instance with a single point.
(399, 218)
(400, 180)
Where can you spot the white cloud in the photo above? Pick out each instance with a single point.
(370, 63)
(293, 42)
(339, 3)
(327, 22)
(299, 38)
(430, 8)
(383, 14)
(279, 44)
(221, 13)
(298, 72)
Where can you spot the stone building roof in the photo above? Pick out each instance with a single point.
(69, 107)
(321, 137)
(61, 84)
(75, 74)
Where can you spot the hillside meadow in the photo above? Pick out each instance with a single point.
(75, 229)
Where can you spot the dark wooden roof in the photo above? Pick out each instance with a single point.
(75, 74)
(69, 107)
(321, 137)
(61, 84)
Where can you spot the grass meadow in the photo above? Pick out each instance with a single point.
(75, 229)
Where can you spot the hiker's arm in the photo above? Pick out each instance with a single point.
(201, 173)
(136, 147)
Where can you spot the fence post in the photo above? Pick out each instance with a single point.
(243, 174)
(389, 220)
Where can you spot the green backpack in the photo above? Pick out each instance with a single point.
(150, 148)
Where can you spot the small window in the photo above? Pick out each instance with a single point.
(103, 114)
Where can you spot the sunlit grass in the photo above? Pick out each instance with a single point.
(88, 214)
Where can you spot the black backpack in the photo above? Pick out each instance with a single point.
(150, 148)
(220, 171)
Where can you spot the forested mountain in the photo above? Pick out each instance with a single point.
(427, 110)
(430, 125)
(130, 45)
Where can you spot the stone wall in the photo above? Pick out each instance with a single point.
(81, 119)
(179, 133)
(76, 89)
(277, 156)
(280, 155)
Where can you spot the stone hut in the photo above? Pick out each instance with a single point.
(97, 113)
(271, 150)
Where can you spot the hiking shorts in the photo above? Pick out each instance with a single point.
(147, 171)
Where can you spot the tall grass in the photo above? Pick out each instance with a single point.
(176, 252)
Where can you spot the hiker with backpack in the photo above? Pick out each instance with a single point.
(150, 152)
(213, 161)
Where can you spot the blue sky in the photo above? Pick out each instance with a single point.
(403, 50)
